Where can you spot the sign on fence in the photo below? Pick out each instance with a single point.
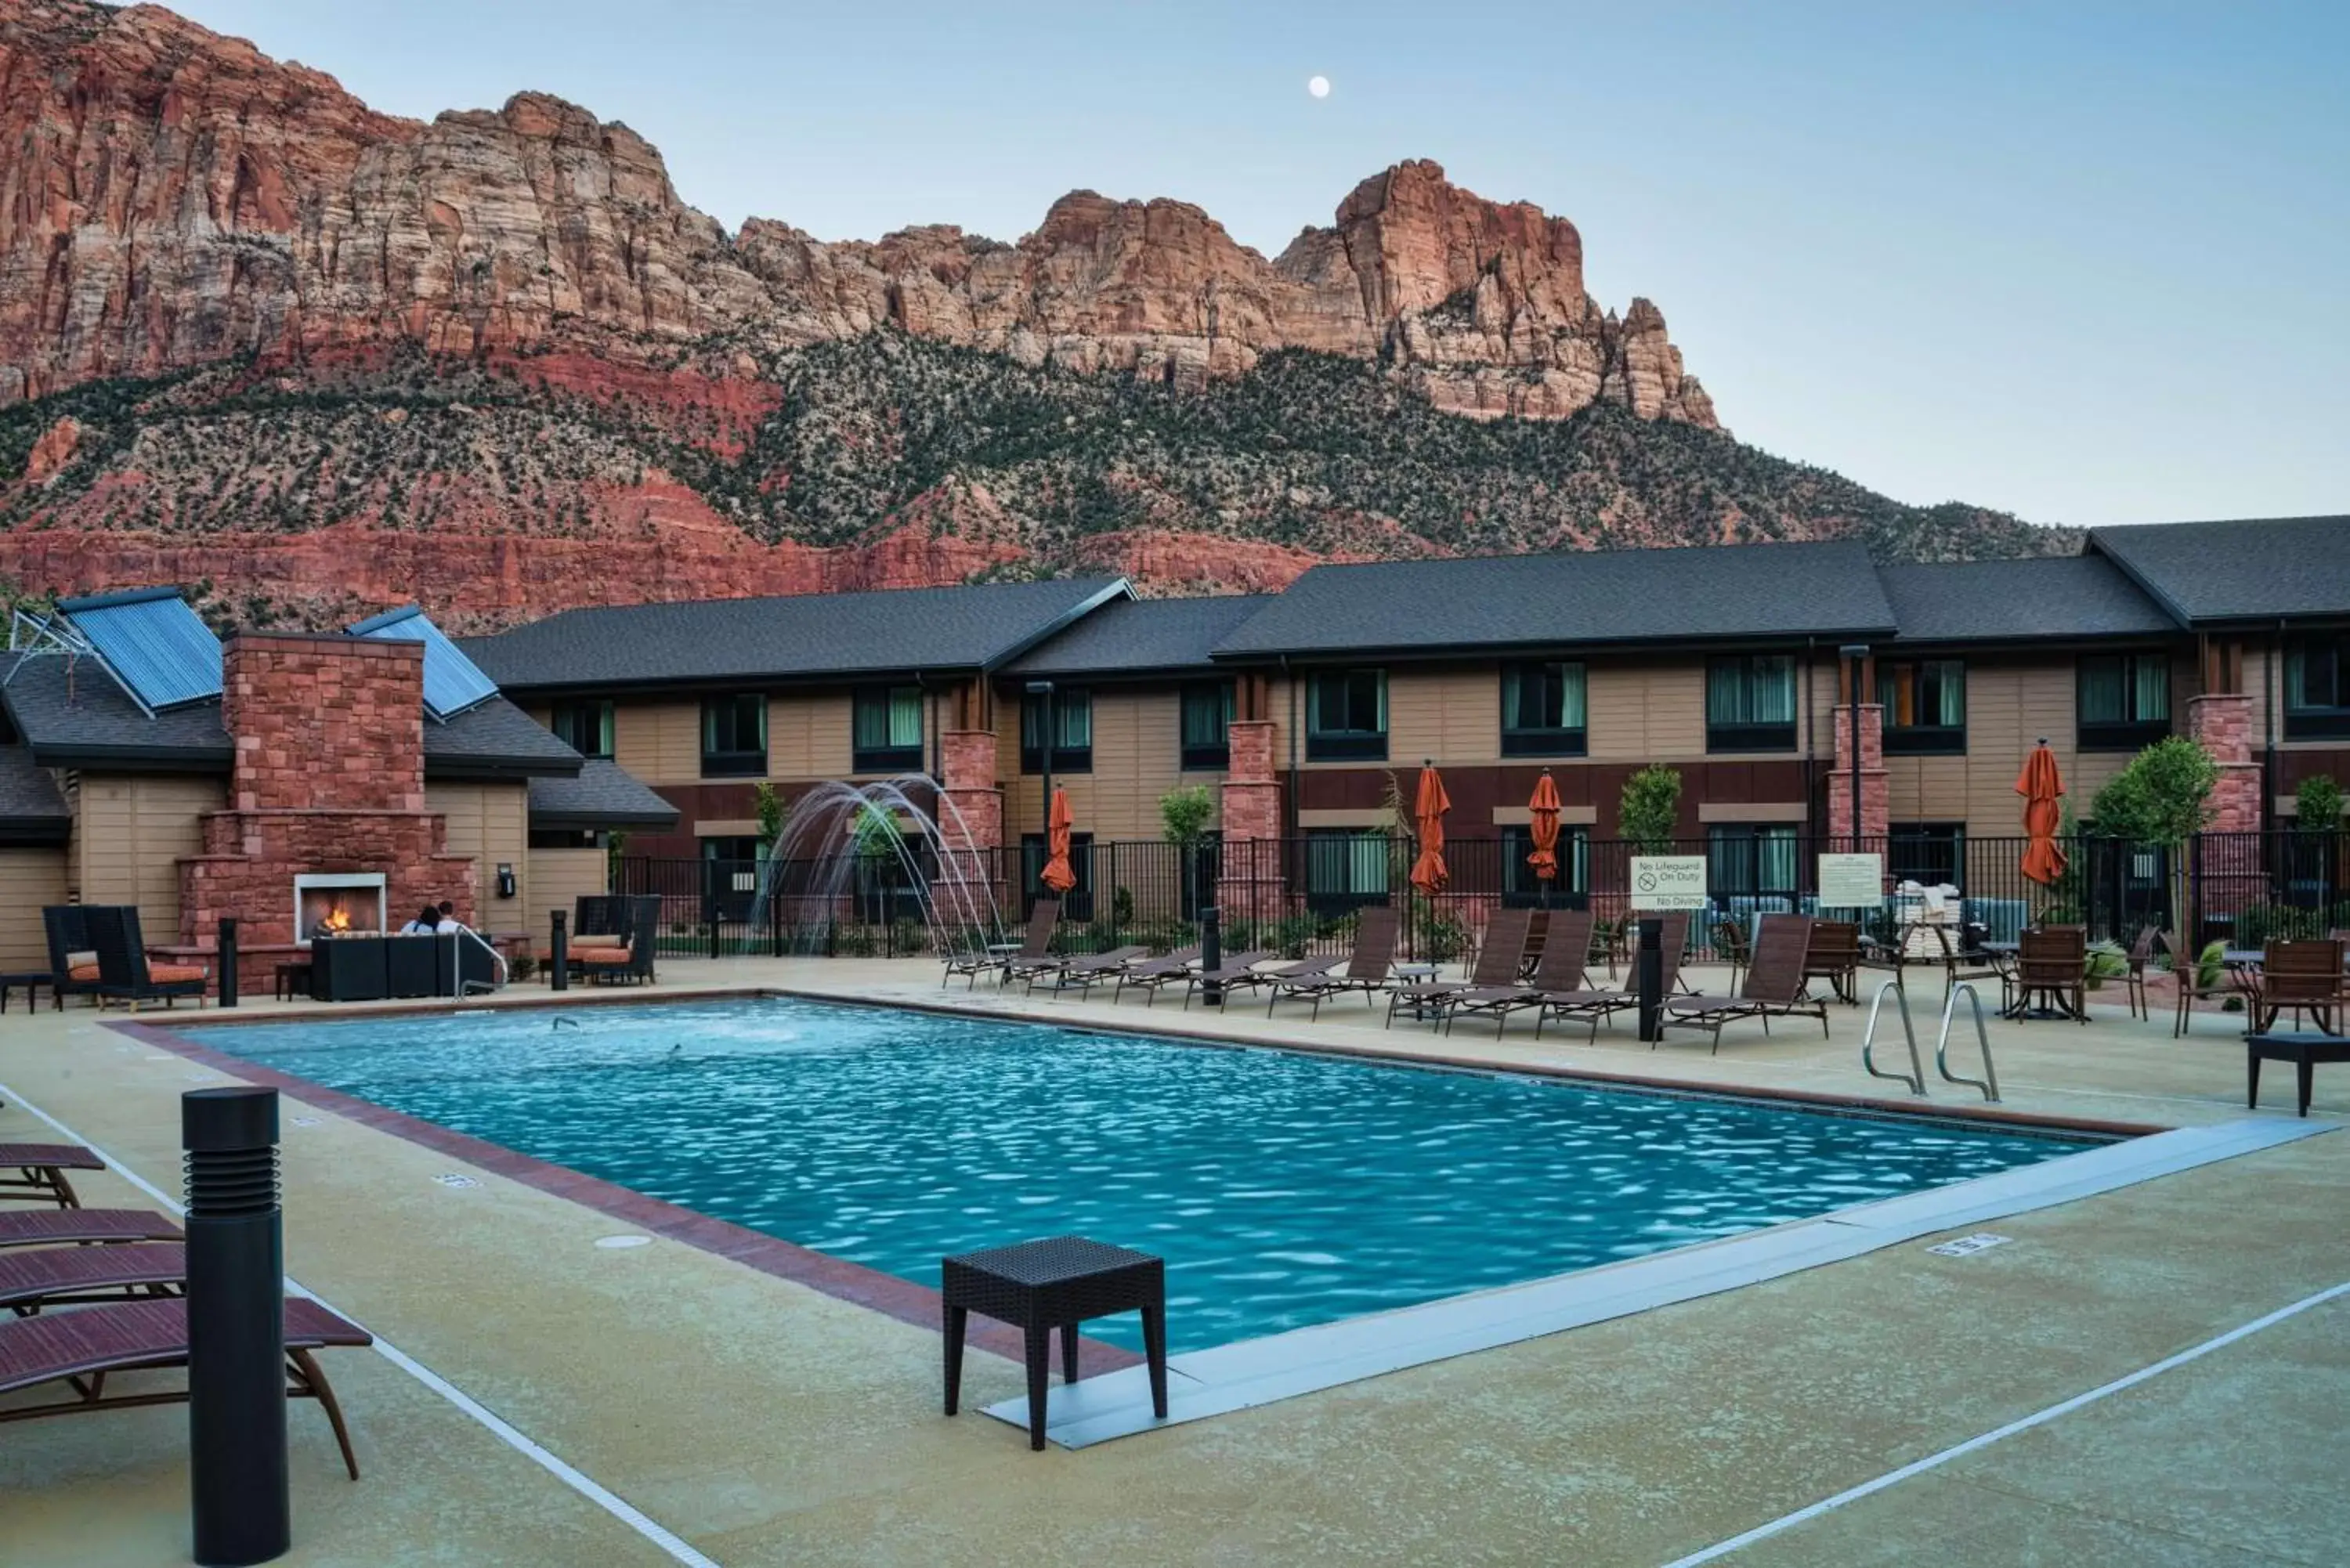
(1852, 881)
(1669, 881)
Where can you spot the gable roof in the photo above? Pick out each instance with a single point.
(81, 719)
(31, 809)
(1692, 594)
(1136, 636)
(2248, 570)
(601, 796)
(798, 637)
(2050, 597)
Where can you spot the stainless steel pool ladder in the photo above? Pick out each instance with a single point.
(1988, 1082)
(1916, 1077)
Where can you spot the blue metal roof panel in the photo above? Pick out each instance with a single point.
(154, 642)
(453, 682)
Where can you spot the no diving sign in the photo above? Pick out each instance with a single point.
(1668, 882)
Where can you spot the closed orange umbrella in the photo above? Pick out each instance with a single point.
(2042, 787)
(1542, 813)
(1427, 872)
(1057, 874)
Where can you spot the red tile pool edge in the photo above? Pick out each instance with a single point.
(836, 1277)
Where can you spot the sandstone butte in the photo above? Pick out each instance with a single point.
(172, 198)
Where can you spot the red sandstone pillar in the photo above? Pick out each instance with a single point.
(1876, 789)
(970, 824)
(2221, 723)
(1250, 885)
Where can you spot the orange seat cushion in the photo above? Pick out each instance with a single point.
(175, 974)
(598, 939)
(82, 971)
(603, 956)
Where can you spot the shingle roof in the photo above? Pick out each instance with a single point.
(2048, 596)
(100, 726)
(798, 637)
(1138, 636)
(2251, 569)
(31, 809)
(601, 796)
(1611, 596)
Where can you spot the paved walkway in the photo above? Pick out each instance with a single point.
(763, 1422)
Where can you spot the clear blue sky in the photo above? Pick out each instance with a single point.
(2088, 262)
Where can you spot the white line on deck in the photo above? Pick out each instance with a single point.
(2038, 1418)
(611, 1502)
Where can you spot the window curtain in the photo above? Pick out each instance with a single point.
(1206, 716)
(1949, 693)
(2101, 691)
(1774, 690)
(906, 716)
(1758, 690)
(2153, 687)
(1073, 715)
(1775, 859)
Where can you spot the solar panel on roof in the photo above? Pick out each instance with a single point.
(155, 644)
(453, 682)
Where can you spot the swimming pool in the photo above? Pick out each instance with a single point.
(1282, 1188)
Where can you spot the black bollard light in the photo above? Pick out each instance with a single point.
(227, 962)
(1212, 954)
(1649, 969)
(559, 954)
(236, 1326)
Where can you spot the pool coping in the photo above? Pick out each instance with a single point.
(905, 1300)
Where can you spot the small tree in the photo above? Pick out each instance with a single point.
(771, 812)
(2317, 804)
(2162, 797)
(1650, 809)
(1184, 814)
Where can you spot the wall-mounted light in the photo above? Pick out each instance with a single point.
(505, 880)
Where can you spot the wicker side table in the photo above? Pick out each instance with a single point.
(1057, 1282)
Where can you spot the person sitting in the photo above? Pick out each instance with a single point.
(446, 923)
(427, 921)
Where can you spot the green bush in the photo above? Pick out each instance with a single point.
(2317, 804)
(2107, 960)
(1437, 938)
(1649, 812)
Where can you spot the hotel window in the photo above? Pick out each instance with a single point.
(887, 730)
(1207, 723)
(585, 727)
(734, 736)
(1542, 709)
(2125, 701)
(1072, 725)
(1077, 903)
(2317, 689)
(1752, 861)
(1345, 869)
(1750, 704)
(1925, 703)
(1928, 853)
(1570, 889)
(1347, 716)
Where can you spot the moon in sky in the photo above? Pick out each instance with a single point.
(1318, 85)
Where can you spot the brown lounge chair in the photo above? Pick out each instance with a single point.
(1834, 957)
(1035, 942)
(1595, 1006)
(1775, 984)
(64, 1227)
(1151, 974)
(1501, 959)
(1237, 972)
(82, 1347)
(1559, 966)
(41, 1277)
(41, 1171)
(1366, 970)
(1085, 970)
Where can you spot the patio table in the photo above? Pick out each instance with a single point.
(31, 981)
(2303, 1049)
(1057, 1282)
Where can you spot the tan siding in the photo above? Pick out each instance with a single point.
(1136, 759)
(129, 836)
(661, 742)
(32, 878)
(1454, 716)
(556, 878)
(490, 822)
(1647, 712)
(809, 736)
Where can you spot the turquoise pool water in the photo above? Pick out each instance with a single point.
(1283, 1189)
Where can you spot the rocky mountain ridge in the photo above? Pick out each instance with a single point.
(253, 331)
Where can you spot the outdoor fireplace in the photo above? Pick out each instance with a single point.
(325, 904)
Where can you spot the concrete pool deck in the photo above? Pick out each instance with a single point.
(762, 1421)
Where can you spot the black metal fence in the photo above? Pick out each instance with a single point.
(1299, 895)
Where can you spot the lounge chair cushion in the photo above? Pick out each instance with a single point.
(175, 973)
(83, 971)
(87, 959)
(598, 939)
(600, 956)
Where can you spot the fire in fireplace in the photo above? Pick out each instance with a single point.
(329, 905)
